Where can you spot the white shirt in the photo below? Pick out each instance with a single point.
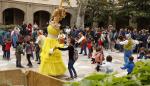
(40, 40)
(126, 42)
(107, 67)
(81, 39)
(68, 31)
(148, 39)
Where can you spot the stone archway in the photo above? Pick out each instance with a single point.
(13, 16)
(66, 21)
(42, 18)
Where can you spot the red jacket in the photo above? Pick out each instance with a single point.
(100, 43)
(8, 46)
(89, 45)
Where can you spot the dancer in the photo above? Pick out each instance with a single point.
(129, 44)
(51, 60)
(71, 62)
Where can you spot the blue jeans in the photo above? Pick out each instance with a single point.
(71, 69)
(7, 54)
(83, 48)
(127, 54)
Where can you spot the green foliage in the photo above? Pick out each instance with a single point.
(6, 27)
(137, 8)
(139, 77)
(142, 72)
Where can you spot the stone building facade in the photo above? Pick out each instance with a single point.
(31, 11)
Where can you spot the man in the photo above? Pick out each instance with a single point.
(129, 45)
(83, 43)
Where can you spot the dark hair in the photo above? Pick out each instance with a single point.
(131, 58)
(109, 58)
(28, 42)
(98, 48)
(18, 43)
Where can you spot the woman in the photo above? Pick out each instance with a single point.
(51, 60)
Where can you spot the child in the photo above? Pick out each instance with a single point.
(90, 48)
(99, 57)
(3, 49)
(19, 51)
(141, 53)
(130, 65)
(29, 52)
(108, 66)
(32, 46)
(71, 62)
(37, 53)
(7, 49)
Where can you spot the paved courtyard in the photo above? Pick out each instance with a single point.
(83, 65)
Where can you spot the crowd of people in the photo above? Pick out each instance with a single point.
(27, 39)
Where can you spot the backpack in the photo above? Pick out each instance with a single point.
(75, 56)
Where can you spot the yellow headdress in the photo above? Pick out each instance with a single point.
(59, 12)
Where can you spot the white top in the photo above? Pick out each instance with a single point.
(81, 39)
(126, 42)
(148, 39)
(107, 67)
(40, 40)
(135, 42)
(61, 36)
(68, 30)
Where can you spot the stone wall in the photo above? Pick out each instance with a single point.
(30, 8)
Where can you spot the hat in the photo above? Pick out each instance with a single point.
(128, 36)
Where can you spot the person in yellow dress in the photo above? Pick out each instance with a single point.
(51, 60)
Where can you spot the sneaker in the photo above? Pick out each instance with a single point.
(30, 66)
(75, 76)
(85, 54)
(20, 66)
(93, 62)
(69, 78)
(8, 59)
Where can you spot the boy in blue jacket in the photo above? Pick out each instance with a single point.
(130, 65)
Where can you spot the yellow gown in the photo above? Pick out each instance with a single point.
(52, 64)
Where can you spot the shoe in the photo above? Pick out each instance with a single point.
(80, 53)
(75, 76)
(85, 54)
(69, 78)
(30, 66)
(20, 66)
(93, 62)
(8, 59)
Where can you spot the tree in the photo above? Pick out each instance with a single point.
(96, 11)
(81, 12)
(135, 9)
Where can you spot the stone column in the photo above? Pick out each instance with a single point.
(73, 20)
(132, 22)
(80, 17)
(1, 14)
(29, 14)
